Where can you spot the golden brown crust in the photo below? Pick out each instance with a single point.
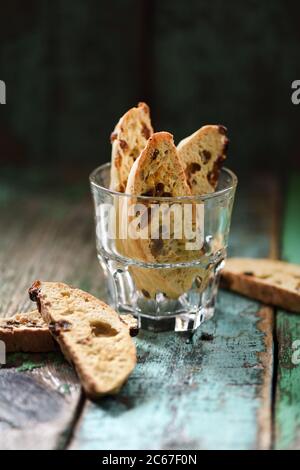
(271, 282)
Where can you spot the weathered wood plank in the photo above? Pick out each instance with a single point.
(39, 398)
(45, 237)
(211, 393)
(48, 237)
(287, 410)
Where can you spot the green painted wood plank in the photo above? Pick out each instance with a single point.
(212, 393)
(288, 331)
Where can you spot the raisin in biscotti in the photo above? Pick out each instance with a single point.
(202, 155)
(271, 282)
(128, 140)
(158, 172)
(26, 332)
(90, 334)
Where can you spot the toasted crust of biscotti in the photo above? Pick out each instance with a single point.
(202, 155)
(90, 334)
(128, 140)
(26, 332)
(271, 282)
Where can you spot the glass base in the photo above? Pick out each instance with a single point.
(178, 323)
(159, 313)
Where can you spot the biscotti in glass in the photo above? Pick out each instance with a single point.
(162, 255)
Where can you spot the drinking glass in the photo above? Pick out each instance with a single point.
(162, 255)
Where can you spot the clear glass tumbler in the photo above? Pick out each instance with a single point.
(162, 256)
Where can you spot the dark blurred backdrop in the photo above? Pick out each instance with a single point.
(72, 67)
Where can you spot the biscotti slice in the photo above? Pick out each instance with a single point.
(26, 332)
(158, 172)
(271, 282)
(90, 334)
(128, 140)
(202, 155)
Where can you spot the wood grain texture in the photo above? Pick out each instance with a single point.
(211, 393)
(39, 398)
(52, 238)
(46, 237)
(287, 409)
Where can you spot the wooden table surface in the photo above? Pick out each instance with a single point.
(233, 386)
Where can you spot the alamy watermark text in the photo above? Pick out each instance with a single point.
(2, 92)
(296, 93)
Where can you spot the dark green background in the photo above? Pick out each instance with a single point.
(73, 67)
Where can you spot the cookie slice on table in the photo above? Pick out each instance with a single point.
(202, 155)
(90, 334)
(26, 332)
(158, 172)
(271, 282)
(128, 140)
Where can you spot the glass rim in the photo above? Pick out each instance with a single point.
(215, 194)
